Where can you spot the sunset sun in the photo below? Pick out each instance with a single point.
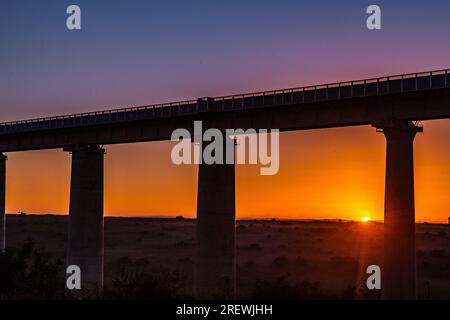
(366, 219)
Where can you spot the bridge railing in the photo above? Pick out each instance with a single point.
(292, 96)
(339, 90)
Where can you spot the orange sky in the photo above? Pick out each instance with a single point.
(134, 55)
(332, 173)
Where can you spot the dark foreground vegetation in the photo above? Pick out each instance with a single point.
(279, 260)
(26, 273)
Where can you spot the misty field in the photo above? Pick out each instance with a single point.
(275, 259)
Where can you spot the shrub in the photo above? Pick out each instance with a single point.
(281, 290)
(26, 273)
(133, 281)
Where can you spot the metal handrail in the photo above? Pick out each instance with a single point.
(348, 83)
(252, 95)
(101, 112)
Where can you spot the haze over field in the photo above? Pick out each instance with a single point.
(275, 259)
(128, 55)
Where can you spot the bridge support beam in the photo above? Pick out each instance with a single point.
(215, 271)
(2, 201)
(399, 270)
(85, 247)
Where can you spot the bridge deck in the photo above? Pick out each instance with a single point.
(294, 96)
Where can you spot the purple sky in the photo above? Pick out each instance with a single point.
(143, 52)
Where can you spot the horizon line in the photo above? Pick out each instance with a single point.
(182, 217)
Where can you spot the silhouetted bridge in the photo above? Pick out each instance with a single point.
(392, 104)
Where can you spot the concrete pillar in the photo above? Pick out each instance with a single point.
(399, 270)
(215, 272)
(2, 201)
(85, 247)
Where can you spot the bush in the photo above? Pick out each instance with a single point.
(133, 281)
(280, 261)
(281, 290)
(26, 273)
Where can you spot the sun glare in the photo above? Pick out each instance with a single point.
(366, 219)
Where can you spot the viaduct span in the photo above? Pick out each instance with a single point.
(392, 104)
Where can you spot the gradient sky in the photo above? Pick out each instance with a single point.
(142, 52)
